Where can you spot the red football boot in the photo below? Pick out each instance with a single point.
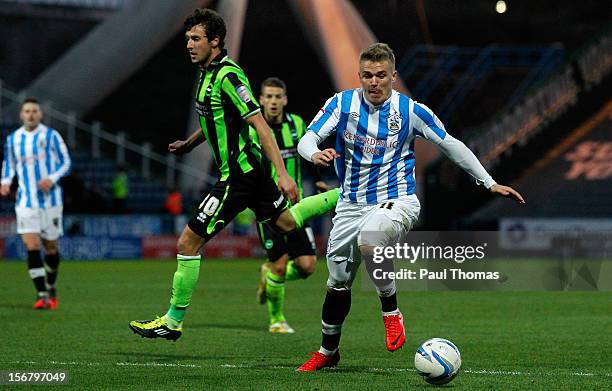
(53, 303)
(319, 361)
(394, 329)
(42, 304)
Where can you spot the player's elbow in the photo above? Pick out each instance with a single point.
(308, 146)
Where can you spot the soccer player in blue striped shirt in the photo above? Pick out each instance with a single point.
(38, 156)
(375, 128)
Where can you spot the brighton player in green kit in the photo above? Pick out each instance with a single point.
(226, 108)
(292, 256)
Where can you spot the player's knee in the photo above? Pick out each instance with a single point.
(307, 270)
(366, 250)
(31, 242)
(279, 268)
(378, 232)
(306, 265)
(189, 243)
(184, 246)
(285, 222)
(32, 246)
(51, 247)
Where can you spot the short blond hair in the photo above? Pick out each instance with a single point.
(377, 52)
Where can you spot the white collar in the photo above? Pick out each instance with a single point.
(39, 128)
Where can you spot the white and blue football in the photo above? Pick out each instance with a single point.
(438, 361)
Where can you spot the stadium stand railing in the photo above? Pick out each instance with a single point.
(100, 142)
(97, 4)
(545, 102)
(510, 143)
(444, 76)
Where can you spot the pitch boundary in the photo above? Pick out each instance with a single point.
(250, 366)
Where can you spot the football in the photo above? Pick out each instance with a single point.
(438, 361)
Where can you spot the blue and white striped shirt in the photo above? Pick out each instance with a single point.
(32, 156)
(376, 144)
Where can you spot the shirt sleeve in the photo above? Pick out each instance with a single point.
(301, 131)
(60, 150)
(427, 125)
(236, 86)
(309, 145)
(326, 120)
(8, 163)
(462, 156)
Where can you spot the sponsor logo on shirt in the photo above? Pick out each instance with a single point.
(370, 144)
(202, 110)
(288, 153)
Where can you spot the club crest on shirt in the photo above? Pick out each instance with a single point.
(243, 93)
(394, 122)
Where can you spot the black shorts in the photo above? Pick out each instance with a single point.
(277, 244)
(255, 190)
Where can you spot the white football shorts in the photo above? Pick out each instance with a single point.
(46, 222)
(354, 225)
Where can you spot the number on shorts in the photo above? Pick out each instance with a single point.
(209, 205)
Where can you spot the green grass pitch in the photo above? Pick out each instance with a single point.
(508, 340)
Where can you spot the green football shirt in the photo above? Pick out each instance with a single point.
(224, 99)
(287, 135)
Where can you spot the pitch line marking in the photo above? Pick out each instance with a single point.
(249, 366)
(157, 364)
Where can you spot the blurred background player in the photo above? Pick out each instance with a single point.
(226, 108)
(378, 205)
(120, 189)
(39, 157)
(299, 246)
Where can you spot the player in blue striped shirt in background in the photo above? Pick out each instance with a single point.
(38, 156)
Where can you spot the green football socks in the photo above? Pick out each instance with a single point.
(275, 297)
(292, 272)
(183, 284)
(314, 206)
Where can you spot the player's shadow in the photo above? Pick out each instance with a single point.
(17, 306)
(358, 369)
(384, 373)
(227, 326)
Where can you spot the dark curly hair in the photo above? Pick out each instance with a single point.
(211, 21)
